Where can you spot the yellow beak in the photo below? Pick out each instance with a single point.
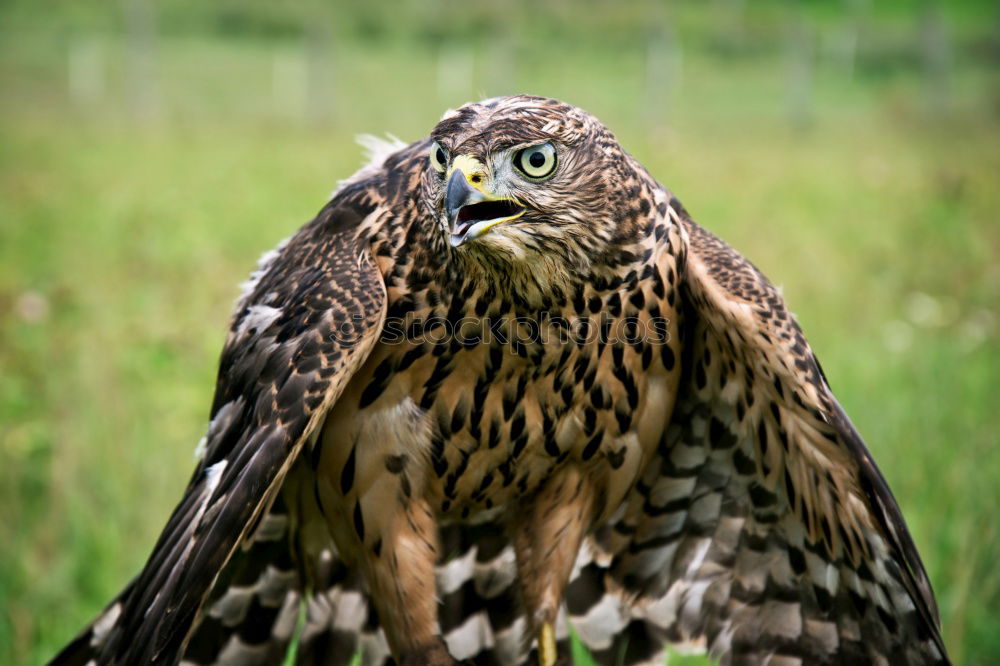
(472, 210)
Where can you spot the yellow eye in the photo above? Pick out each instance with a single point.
(536, 161)
(439, 158)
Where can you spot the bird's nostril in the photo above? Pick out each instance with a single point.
(477, 178)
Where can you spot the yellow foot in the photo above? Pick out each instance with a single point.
(546, 645)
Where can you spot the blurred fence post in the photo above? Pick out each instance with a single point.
(502, 59)
(935, 47)
(663, 70)
(86, 71)
(799, 73)
(140, 39)
(319, 78)
(454, 73)
(499, 61)
(843, 49)
(289, 83)
(729, 24)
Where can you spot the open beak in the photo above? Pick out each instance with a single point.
(471, 210)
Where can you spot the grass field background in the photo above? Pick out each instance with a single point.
(148, 155)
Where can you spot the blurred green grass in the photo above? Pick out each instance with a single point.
(123, 237)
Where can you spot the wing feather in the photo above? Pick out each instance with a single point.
(307, 321)
(763, 531)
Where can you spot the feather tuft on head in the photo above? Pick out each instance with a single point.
(376, 150)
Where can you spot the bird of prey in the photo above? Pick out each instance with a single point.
(503, 390)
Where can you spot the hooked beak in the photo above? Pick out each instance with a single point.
(471, 211)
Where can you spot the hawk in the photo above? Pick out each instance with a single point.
(502, 388)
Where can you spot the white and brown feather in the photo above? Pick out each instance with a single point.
(427, 494)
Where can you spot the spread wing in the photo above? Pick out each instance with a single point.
(763, 532)
(308, 319)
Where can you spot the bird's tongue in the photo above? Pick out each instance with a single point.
(461, 228)
(459, 232)
(480, 212)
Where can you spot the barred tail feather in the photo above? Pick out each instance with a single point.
(253, 610)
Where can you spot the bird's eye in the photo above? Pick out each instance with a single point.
(536, 161)
(439, 158)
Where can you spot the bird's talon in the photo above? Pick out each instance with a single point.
(547, 645)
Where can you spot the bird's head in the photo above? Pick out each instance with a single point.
(528, 185)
